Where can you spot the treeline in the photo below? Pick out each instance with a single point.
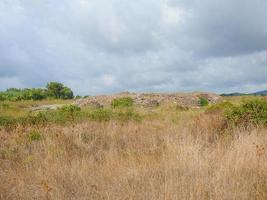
(53, 90)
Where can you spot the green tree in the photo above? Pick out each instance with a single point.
(58, 91)
(66, 93)
(37, 94)
(54, 89)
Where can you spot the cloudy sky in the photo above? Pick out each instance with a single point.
(107, 46)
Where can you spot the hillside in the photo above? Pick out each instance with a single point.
(263, 92)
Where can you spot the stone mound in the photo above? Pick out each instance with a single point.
(150, 99)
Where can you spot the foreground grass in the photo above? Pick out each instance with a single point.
(173, 153)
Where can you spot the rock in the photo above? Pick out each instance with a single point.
(151, 99)
(47, 107)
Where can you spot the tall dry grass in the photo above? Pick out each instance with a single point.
(156, 159)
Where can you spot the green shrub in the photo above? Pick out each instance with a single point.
(101, 114)
(127, 115)
(4, 106)
(32, 119)
(203, 101)
(7, 121)
(123, 102)
(70, 112)
(35, 136)
(252, 112)
(219, 107)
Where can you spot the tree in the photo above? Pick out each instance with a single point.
(59, 91)
(37, 94)
(66, 93)
(54, 89)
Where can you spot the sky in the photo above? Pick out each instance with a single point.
(109, 46)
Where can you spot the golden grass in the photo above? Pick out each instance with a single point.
(161, 158)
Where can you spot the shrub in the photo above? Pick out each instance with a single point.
(7, 121)
(252, 112)
(129, 114)
(4, 106)
(35, 136)
(70, 112)
(219, 107)
(101, 114)
(203, 101)
(122, 102)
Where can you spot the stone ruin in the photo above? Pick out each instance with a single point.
(150, 99)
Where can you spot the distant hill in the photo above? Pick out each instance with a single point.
(263, 93)
(233, 94)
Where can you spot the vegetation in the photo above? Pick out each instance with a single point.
(252, 112)
(35, 136)
(131, 152)
(101, 114)
(123, 102)
(220, 107)
(203, 101)
(58, 91)
(53, 90)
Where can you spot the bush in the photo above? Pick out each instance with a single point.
(7, 121)
(35, 118)
(129, 114)
(203, 101)
(101, 114)
(219, 107)
(123, 102)
(70, 112)
(252, 112)
(4, 106)
(35, 136)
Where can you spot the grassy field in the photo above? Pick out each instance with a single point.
(165, 152)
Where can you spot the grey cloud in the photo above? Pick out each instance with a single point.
(103, 46)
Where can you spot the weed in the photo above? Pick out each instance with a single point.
(127, 115)
(4, 106)
(101, 114)
(7, 121)
(35, 136)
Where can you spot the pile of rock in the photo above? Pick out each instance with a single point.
(150, 99)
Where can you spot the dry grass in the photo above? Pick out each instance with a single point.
(186, 158)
